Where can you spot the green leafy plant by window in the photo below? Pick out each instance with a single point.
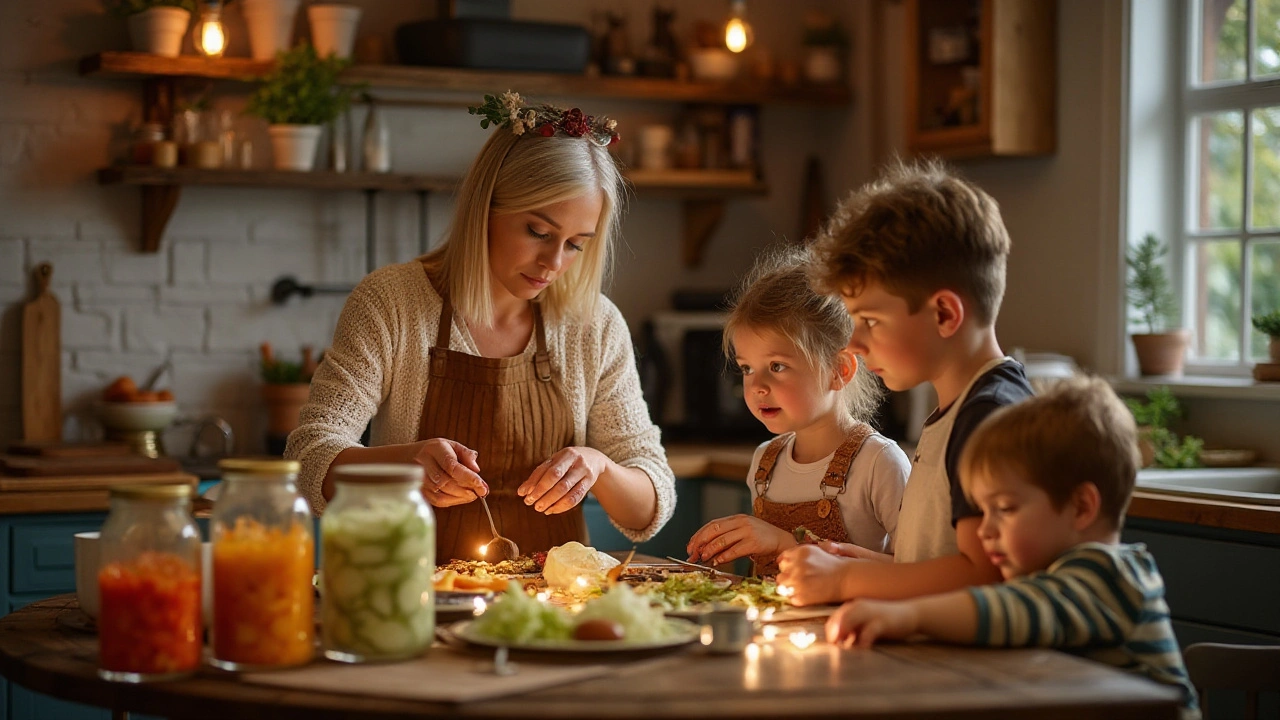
(1268, 323)
(133, 7)
(1150, 293)
(284, 372)
(1153, 417)
(302, 90)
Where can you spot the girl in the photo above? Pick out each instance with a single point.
(827, 475)
(494, 361)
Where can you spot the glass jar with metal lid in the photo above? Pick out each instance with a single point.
(376, 561)
(263, 565)
(149, 619)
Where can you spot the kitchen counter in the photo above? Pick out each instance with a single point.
(733, 462)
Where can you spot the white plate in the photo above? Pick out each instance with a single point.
(683, 632)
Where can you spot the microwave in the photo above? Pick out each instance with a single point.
(694, 391)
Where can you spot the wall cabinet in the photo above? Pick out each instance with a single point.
(981, 77)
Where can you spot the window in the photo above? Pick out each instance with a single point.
(1231, 226)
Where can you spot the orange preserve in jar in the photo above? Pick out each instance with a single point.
(263, 564)
(149, 617)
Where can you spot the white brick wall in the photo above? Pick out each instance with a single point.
(202, 300)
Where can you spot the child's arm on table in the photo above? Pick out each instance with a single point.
(819, 577)
(952, 617)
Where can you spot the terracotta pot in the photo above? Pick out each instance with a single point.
(283, 403)
(270, 25)
(1273, 348)
(1161, 353)
(1145, 446)
(159, 30)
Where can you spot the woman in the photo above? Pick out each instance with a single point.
(494, 361)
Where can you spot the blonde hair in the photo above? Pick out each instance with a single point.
(917, 230)
(514, 174)
(776, 296)
(1078, 431)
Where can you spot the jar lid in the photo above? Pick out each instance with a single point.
(378, 473)
(151, 492)
(259, 466)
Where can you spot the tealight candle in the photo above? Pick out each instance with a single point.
(803, 639)
(478, 606)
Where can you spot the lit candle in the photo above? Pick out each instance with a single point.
(484, 549)
(478, 606)
(770, 632)
(802, 639)
(752, 614)
(707, 637)
(544, 596)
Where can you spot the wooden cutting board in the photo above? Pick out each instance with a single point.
(42, 362)
(28, 466)
(52, 449)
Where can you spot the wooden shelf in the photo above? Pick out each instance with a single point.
(131, 64)
(315, 180)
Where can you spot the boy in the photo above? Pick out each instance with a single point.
(918, 258)
(1053, 476)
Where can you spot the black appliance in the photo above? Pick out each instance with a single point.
(713, 404)
(494, 44)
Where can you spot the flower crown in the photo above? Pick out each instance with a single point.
(509, 110)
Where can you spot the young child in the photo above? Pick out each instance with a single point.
(1053, 476)
(918, 257)
(828, 471)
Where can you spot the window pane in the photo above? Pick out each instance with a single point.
(1219, 170)
(1216, 300)
(1265, 286)
(1222, 40)
(1266, 167)
(1266, 59)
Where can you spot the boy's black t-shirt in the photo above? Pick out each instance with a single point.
(1005, 384)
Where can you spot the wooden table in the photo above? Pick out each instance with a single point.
(40, 650)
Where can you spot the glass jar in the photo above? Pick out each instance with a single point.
(149, 619)
(378, 552)
(263, 564)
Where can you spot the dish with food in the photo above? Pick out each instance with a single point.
(677, 632)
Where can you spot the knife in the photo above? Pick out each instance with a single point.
(686, 563)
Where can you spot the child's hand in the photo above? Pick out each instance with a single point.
(862, 622)
(813, 573)
(727, 539)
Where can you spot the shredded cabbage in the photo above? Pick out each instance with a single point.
(516, 617)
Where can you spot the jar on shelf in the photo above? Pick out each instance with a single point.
(149, 618)
(377, 558)
(263, 565)
(145, 139)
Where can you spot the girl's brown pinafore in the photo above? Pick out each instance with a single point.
(511, 412)
(821, 517)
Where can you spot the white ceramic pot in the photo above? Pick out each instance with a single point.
(293, 147)
(333, 28)
(159, 30)
(270, 24)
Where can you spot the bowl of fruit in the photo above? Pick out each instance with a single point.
(125, 407)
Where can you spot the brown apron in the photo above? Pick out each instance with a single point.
(512, 413)
(821, 517)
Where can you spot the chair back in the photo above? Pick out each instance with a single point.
(1253, 669)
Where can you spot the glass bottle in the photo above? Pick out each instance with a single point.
(376, 561)
(263, 563)
(376, 143)
(149, 619)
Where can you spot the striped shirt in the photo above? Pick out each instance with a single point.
(1101, 601)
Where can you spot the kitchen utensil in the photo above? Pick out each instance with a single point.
(504, 548)
(616, 571)
(154, 377)
(686, 563)
(42, 362)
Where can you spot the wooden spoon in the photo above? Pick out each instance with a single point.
(503, 548)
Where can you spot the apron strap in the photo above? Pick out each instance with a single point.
(836, 478)
(764, 471)
(541, 358)
(439, 353)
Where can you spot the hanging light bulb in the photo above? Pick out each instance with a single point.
(737, 32)
(210, 38)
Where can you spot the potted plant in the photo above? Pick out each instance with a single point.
(1160, 446)
(285, 388)
(1269, 324)
(270, 25)
(1160, 350)
(155, 26)
(298, 97)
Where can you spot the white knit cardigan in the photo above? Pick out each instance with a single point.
(377, 367)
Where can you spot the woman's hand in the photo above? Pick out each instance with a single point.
(727, 539)
(563, 480)
(452, 474)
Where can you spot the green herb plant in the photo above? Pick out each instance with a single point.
(133, 7)
(1268, 323)
(303, 89)
(1153, 416)
(284, 372)
(1150, 293)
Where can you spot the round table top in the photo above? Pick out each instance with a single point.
(49, 647)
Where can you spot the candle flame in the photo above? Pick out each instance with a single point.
(478, 606)
(802, 639)
(770, 632)
(484, 550)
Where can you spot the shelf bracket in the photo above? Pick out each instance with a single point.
(701, 218)
(158, 202)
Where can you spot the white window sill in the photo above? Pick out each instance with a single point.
(1202, 386)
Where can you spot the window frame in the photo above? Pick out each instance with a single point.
(1200, 100)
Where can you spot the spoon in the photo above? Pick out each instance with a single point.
(504, 548)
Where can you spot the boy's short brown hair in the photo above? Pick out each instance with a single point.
(916, 230)
(1077, 431)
